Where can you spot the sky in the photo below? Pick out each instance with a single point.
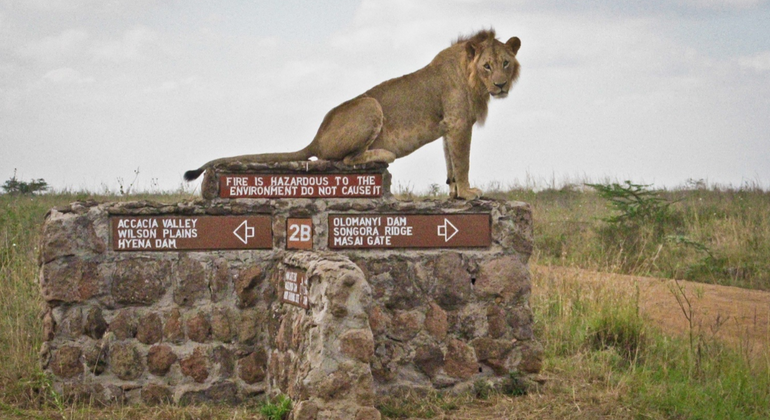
(95, 94)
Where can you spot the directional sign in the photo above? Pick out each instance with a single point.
(409, 231)
(170, 233)
(299, 233)
(301, 186)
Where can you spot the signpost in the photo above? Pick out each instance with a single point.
(409, 231)
(301, 186)
(173, 233)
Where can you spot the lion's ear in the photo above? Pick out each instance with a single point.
(514, 44)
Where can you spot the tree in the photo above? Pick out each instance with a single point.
(15, 186)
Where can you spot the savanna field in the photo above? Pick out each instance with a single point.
(650, 304)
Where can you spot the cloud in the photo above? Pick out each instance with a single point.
(759, 62)
(131, 47)
(724, 5)
(66, 75)
(56, 47)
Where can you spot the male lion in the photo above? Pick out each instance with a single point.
(395, 118)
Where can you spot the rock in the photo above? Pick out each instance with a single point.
(520, 319)
(460, 361)
(190, 283)
(429, 359)
(70, 280)
(505, 277)
(198, 328)
(246, 285)
(368, 413)
(221, 325)
(150, 329)
(496, 319)
(173, 331)
(159, 359)
(454, 285)
(140, 281)
(125, 361)
(195, 365)
(406, 325)
(95, 356)
(252, 368)
(69, 235)
(379, 320)
(358, 344)
(123, 325)
(154, 394)
(225, 358)
(305, 410)
(436, 322)
(66, 362)
(95, 324)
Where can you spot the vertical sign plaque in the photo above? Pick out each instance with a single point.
(295, 288)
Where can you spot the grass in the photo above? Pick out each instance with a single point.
(602, 358)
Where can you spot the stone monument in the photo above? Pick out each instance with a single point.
(303, 278)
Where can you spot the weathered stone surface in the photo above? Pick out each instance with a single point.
(173, 331)
(460, 361)
(123, 325)
(247, 285)
(70, 280)
(95, 356)
(154, 394)
(66, 362)
(454, 288)
(305, 410)
(368, 413)
(190, 283)
(496, 319)
(198, 328)
(531, 357)
(520, 319)
(436, 322)
(220, 393)
(334, 386)
(196, 365)
(221, 280)
(159, 359)
(358, 344)
(406, 325)
(68, 235)
(379, 320)
(393, 282)
(150, 329)
(125, 361)
(251, 320)
(429, 358)
(225, 358)
(140, 281)
(95, 323)
(49, 325)
(252, 368)
(505, 277)
(222, 325)
(71, 322)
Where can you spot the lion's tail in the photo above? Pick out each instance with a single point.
(303, 154)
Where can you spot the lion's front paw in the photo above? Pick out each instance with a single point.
(468, 193)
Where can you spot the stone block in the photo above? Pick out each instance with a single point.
(190, 283)
(123, 325)
(196, 365)
(172, 330)
(150, 329)
(125, 361)
(95, 326)
(70, 280)
(159, 359)
(198, 327)
(66, 362)
(154, 394)
(140, 281)
(252, 368)
(358, 344)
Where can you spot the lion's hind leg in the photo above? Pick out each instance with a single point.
(349, 129)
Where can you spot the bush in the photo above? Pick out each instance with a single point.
(14, 186)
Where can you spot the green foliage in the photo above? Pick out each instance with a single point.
(15, 186)
(278, 409)
(482, 388)
(514, 385)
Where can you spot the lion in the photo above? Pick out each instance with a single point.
(395, 118)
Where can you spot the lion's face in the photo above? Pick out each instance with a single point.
(496, 66)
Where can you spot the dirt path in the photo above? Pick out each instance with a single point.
(737, 316)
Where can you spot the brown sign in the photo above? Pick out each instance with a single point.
(170, 233)
(295, 288)
(409, 231)
(299, 233)
(301, 186)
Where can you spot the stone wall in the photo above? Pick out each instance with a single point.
(210, 326)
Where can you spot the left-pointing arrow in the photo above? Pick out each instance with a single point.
(248, 232)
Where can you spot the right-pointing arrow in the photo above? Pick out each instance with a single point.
(443, 230)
